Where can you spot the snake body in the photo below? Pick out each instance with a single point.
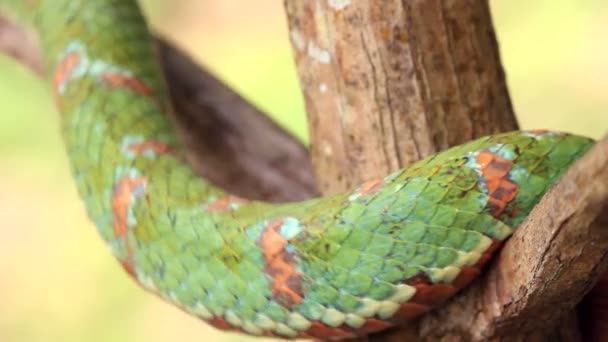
(334, 267)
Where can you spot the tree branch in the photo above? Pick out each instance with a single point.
(228, 140)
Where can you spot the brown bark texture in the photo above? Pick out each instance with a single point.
(387, 83)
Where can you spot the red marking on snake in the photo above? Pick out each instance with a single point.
(539, 131)
(514, 211)
(122, 196)
(63, 71)
(281, 266)
(150, 145)
(369, 187)
(495, 173)
(429, 295)
(119, 80)
(317, 330)
(321, 330)
(372, 325)
(127, 264)
(220, 323)
(224, 204)
(488, 253)
(408, 311)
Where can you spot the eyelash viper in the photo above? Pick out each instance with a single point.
(340, 266)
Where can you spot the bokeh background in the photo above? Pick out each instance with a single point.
(57, 279)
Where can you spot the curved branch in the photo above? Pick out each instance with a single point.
(228, 140)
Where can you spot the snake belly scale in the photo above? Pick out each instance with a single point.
(334, 267)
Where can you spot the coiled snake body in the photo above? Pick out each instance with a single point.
(339, 266)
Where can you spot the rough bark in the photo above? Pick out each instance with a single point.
(387, 83)
(228, 140)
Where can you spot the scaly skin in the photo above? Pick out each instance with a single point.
(339, 266)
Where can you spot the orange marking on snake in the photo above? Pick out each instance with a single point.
(281, 266)
(369, 186)
(495, 172)
(539, 131)
(122, 197)
(63, 70)
(118, 80)
(224, 204)
(150, 145)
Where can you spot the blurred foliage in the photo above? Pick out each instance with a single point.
(57, 279)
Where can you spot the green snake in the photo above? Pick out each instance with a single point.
(340, 266)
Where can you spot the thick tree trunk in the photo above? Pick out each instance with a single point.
(389, 82)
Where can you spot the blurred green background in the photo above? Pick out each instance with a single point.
(58, 281)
